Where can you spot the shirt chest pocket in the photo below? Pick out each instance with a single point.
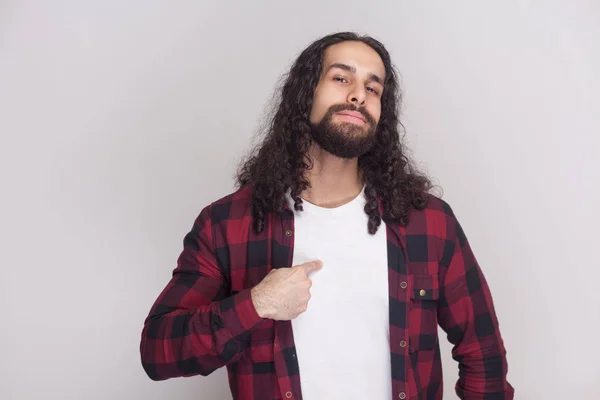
(422, 316)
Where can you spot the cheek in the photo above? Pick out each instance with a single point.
(319, 108)
(375, 112)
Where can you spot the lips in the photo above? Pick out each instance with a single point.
(354, 114)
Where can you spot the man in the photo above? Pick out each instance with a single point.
(309, 208)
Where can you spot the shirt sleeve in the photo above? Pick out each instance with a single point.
(466, 313)
(194, 327)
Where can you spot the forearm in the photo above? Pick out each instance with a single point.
(472, 326)
(186, 342)
(482, 371)
(505, 394)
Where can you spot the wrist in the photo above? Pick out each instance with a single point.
(258, 302)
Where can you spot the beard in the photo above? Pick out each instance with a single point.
(345, 139)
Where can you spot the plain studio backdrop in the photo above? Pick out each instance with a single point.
(121, 120)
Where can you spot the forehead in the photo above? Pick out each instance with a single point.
(355, 54)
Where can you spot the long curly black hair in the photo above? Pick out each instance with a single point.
(279, 162)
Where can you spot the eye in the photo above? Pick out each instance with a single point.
(372, 90)
(340, 79)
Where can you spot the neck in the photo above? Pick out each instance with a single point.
(334, 181)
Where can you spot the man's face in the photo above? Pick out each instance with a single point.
(347, 101)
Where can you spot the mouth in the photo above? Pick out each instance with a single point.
(352, 116)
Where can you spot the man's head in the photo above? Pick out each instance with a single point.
(335, 78)
(347, 100)
(341, 93)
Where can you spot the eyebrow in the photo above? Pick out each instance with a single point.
(349, 68)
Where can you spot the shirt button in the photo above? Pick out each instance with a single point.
(402, 395)
(404, 285)
(402, 343)
(422, 292)
(288, 395)
(288, 233)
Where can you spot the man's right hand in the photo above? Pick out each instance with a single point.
(284, 293)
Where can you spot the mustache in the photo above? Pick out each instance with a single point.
(349, 107)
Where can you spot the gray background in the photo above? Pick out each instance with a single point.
(120, 120)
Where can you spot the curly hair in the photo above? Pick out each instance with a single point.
(278, 164)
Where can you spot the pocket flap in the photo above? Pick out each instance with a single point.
(425, 287)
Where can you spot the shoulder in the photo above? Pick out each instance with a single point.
(215, 219)
(234, 205)
(436, 206)
(237, 198)
(436, 218)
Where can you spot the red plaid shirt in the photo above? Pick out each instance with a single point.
(204, 319)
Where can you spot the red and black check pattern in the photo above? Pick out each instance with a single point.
(204, 318)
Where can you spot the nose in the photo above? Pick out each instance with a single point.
(357, 96)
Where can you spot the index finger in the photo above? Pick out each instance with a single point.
(312, 266)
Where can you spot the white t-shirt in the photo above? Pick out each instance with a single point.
(342, 340)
